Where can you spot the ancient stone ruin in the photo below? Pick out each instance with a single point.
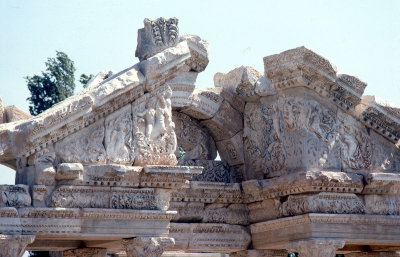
(128, 165)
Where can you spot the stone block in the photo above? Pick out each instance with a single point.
(231, 150)
(13, 113)
(182, 87)
(187, 211)
(234, 214)
(303, 182)
(39, 195)
(161, 67)
(112, 175)
(209, 237)
(213, 171)
(10, 221)
(69, 171)
(226, 123)
(382, 204)
(203, 104)
(322, 203)
(381, 116)
(199, 50)
(15, 196)
(156, 36)
(239, 81)
(193, 139)
(267, 209)
(382, 183)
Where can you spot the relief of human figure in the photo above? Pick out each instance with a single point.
(148, 118)
(163, 117)
(116, 140)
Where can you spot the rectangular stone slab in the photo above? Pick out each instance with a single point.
(354, 229)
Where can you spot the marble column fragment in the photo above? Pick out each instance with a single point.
(86, 252)
(147, 246)
(315, 247)
(14, 245)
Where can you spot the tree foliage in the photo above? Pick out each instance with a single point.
(84, 79)
(55, 84)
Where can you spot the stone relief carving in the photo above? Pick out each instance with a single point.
(153, 129)
(44, 166)
(193, 138)
(322, 203)
(302, 133)
(14, 245)
(315, 247)
(165, 32)
(115, 198)
(356, 148)
(15, 195)
(156, 36)
(85, 252)
(85, 146)
(147, 246)
(268, 153)
(382, 204)
(118, 136)
(214, 171)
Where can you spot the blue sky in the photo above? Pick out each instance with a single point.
(361, 38)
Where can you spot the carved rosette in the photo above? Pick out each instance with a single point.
(147, 246)
(315, 247)
(153, 129)
(14, 245)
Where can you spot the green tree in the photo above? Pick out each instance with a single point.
(84, 79)
(55, 84)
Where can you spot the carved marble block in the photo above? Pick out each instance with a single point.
(156, 36)
(153, 129)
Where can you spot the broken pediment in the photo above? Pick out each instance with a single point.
(303, 155)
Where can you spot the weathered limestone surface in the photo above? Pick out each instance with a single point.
(85, 252)
(374, 254)
(147, 246)
(315, 247)
(303, 182)
(204, 237)
(260, 253)
(14, 245)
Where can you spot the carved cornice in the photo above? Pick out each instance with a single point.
(313, 218)
(382, 183)
(83, 110)
(302, 182)
(209, 237)
(301, 67)
(105, 214)
(209, 192)
(73, 221)
(381, 116)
